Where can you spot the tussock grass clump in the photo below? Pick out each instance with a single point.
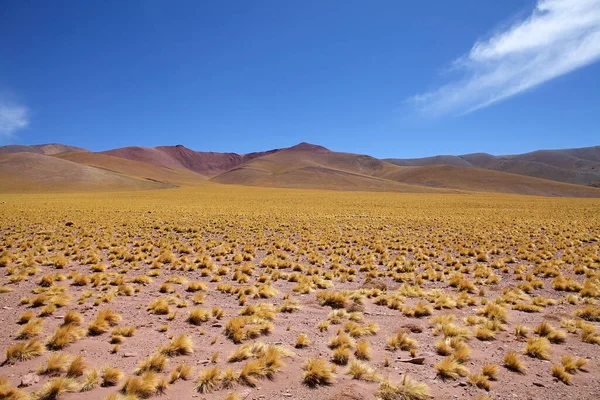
(479, 380)
(521, 331)
(182, 371)
(73, 317)
(25, 317)
(111, 376)
(144, 386)
(401, 341)
(104, 320)
(91, 380)
(65, 335)
(538, 348)
(494, 312)
(55, 387)
(559, 372)
(289, 306)
(125, 331)
(341, 355)
(573, 364)
(155, 362)
(589, 313)
(7, 392)
(333, 299)
(362, 371)
(76, 367)
(251, 372)
(485, 334)
(56, 363)
(302, 341)
(23, 351)
(180, 346)
(196, 286)
(159, 307)
(450, 368)
(208, 380)
(513, 363)
(490, 370)
(229, 378)
(32, 328)
(317, 371)
(197, 316)
(409, 389)
(363, 350)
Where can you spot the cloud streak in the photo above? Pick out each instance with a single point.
(13, 117)
(558, 37)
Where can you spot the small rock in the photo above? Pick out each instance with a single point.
(418, 360)
(69, 223)
(29, 379)
(127, 355)
(245, 393)
(539, 384)
(7, 308)
(217, 325)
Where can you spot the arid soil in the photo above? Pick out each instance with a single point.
(436, 268)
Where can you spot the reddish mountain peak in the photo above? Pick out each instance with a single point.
(307, 147)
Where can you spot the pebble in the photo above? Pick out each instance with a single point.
(29, 380)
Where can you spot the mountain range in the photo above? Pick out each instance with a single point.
(57, 167)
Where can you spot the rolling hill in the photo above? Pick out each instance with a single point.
(46, 149)
(578, 166)
(136, 169)
(58, 167)
(34, 172)
(204, 163)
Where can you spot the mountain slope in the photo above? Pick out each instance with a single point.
(311, 166)
(33, 172)
(136, 169)
(204, 163)
(46, 149)
(479, 179)
(578, 166)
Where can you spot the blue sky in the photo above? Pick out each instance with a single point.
(385, 78)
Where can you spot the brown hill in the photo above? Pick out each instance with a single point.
(33, 172)
(578, 166)
(46, 149)
(307, 166)
(478, 179)
(205, 163)
(136, 169)
(311, 166)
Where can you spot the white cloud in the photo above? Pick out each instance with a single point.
(558, 37)
(12, 118)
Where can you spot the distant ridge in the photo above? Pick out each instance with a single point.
(49, 149)
(179, 156)
(57, 167)
(579, 166)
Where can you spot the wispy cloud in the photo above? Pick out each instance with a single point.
(13, 117)
(558, 37)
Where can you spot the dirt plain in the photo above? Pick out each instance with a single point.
(433, 268)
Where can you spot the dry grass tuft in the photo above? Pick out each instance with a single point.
(538, 348)
(23, 351)
(208, 380)
(513, 362)
(180, 346)
(55, 387)
(409, 389)
(317, 372)
(559, 372)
